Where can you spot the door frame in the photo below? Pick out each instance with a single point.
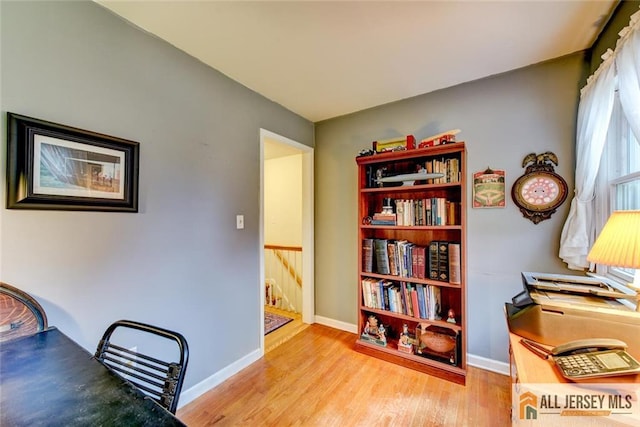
(308, 287)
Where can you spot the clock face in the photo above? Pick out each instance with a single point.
(539, 191)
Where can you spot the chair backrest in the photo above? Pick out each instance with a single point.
(20, 313)
(159, 379)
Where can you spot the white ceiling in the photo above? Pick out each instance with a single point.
(324, 59)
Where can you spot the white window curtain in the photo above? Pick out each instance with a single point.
(628, 68)
(620, 70)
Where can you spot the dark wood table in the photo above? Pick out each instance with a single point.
(47, 379)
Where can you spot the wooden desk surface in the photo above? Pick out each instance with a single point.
(48, 379)
(533, 369)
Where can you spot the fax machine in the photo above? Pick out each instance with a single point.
(554, 308)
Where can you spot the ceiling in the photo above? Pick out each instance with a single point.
(323, 59)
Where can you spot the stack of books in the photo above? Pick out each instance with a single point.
(383, 219)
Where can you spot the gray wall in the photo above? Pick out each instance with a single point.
(502, 118)
(178, 263)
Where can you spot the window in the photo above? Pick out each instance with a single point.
(618, 180)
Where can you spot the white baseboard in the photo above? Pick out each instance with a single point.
(488, 364)
(343, 326)
(219, 377)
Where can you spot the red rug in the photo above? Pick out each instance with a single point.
(274, 321)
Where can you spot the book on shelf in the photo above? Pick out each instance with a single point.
(433, 260)
(382, 256)
(393, 258)
(415, 303)
(454, 264)
(435, 302)
(421, 260)
(400, 212)
(422, 307)
(403, 298)
(443, 261)
(367, 255)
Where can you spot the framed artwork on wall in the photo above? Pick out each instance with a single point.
(54, 166)
(488, 188)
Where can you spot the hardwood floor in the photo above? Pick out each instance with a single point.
(283, 333)
(316, 379)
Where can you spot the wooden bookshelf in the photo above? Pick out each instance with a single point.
(390, 292)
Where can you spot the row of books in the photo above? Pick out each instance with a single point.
(439, 261)
(430, 211)
(450, 167)
(411, 299)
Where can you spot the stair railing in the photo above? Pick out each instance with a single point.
(283, 277)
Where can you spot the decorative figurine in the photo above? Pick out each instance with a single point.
(373, 332)
(451, 316)
(404, 343)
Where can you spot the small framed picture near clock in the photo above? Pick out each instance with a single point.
(488, 189)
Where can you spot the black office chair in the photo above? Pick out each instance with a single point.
(159, 379)
(20, 313)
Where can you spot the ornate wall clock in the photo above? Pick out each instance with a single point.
(540, 191)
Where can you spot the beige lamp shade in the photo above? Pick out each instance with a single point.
(618, 244)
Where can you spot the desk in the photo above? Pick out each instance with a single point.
(526, 367)
(531, 372)
(48, 379)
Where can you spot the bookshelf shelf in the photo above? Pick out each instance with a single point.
(410, 189)
(440, 323)
(410, 279)
(415, 227)
(412, 265)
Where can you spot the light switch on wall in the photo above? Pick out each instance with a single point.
(239, 222)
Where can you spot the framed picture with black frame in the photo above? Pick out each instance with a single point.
(54, 166)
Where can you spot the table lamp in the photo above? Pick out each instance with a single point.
(618, 245)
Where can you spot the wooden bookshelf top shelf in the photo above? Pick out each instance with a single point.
(408, 154)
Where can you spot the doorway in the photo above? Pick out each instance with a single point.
(293, 163)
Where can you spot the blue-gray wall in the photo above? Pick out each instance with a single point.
(180, 262)
(502, 118)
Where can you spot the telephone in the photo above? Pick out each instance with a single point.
(589, 358)
(588, 345)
